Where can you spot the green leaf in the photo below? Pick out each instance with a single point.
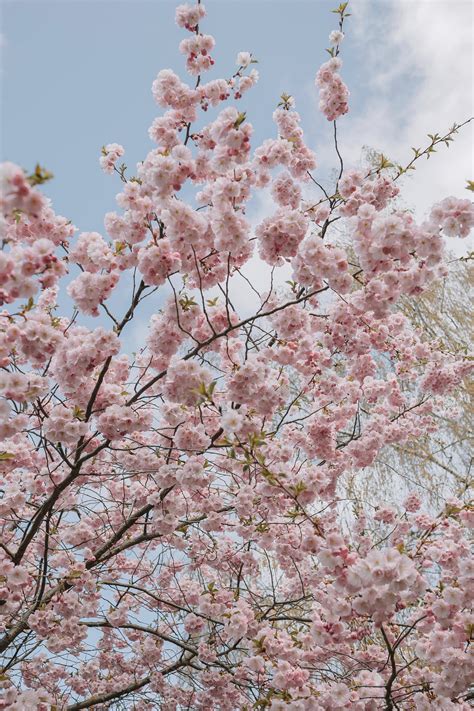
(78, 413)
(29, 305)
(340, 10)
(240, 119)
(186, 303)
(39, 176)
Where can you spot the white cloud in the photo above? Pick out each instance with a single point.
(418, 58)
(415, 63)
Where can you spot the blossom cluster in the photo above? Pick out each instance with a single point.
(333, 93)
(455, 217)
(110, 155)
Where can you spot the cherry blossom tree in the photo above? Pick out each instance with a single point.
(176, 533)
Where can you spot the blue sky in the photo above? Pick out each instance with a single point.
(76, 74)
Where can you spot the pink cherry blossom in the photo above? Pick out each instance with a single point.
(192, 508)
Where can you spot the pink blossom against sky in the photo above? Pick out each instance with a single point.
(76, 75)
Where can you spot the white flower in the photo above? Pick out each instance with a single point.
(231, 421)
(243, 59)
(336, 37)
(334, 64)
(18, 576)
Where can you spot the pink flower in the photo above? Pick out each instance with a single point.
(18, 576)
(333, 93)
(189, 16)
(243, 59)
(110, 155)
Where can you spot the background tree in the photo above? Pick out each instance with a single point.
(439, 465)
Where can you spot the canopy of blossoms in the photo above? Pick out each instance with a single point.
(172, 526)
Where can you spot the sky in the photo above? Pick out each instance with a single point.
(76, 74)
